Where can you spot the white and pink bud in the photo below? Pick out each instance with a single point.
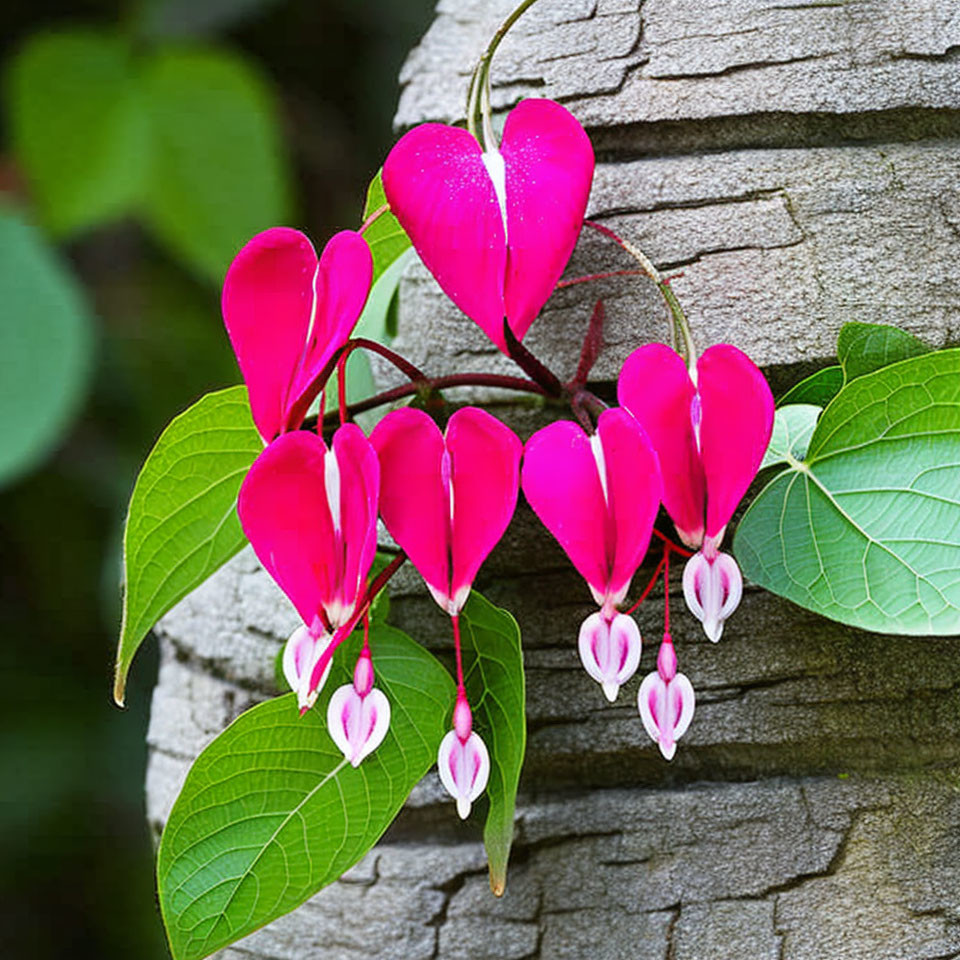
(712, 587)
(300, 655)
(463, 761)
(666, 701)
(610, 650)
(358, 715)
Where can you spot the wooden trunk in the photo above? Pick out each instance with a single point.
(798, 162)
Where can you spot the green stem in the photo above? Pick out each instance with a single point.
(480, 82)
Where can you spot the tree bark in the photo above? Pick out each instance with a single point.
(798, 163)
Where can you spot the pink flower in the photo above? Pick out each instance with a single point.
(358, 715)
(311, 515)
(287, 313)
(463, 761)
(496, 229)
(666, 701)
(710, 429)
(598, 495)
(447, 498)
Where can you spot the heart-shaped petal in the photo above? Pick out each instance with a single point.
(735, 431)
(548, 162)
(464, 768)
(610, 650)
(712, 589)
(285, 509)
(440, 190)
(666, 708)
(656, 388)
(268, 300)
(357, 724)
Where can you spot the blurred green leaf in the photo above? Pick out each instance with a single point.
(77, 127)
(182, 523)
(385, 236)
(793, 425)
(818, 389)
(217, 173)
(493, 676)
(45, 347)
(866, 530)
(865, 347)
(271, 811)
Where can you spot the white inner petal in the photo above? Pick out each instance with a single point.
(493, 161)
(597, 447)
(331, 483)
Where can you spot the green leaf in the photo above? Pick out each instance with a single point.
(271, 812)
(793, 426)
(866, 530)
(182, 523)
(217, 174)
(385, 236)
(78, 127)
(818, 389)
(493, 675)
(865, 347)
(45, 347)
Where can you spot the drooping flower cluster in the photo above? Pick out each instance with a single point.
(496, 226)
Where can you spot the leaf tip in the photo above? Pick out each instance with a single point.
(498, 882)
(120, 687)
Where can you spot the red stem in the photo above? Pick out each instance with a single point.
(376, 215)
(455, 620)
(341, 387)
(650, 585)
(587, 278)
(676, 548)
(666, 588)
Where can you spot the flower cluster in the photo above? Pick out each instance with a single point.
(496, 225)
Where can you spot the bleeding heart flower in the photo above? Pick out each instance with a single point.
(358, 715)
(598, 495)
(712, 587)
(610, 650)
(666, 701)
(463, 761)
(311, 515)
(447, 498)
(300, 654)
(710, 429)
(496, 229)
(287, 313)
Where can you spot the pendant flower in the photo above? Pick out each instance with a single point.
(666, 701)
(358, 715)
(287, 313)
(311, 515)
(710, 427)
(495, 228)
(447, 499)
(598, 495)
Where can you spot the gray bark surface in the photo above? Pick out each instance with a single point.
(798, 162)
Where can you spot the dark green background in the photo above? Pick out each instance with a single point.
(76, 868)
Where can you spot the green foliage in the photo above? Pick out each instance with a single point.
(817, 390)
(77, 127)
(271, 812)
(865, 347)
(216, 174)
(386, 237)
(493, 675)
(44, 347)
(182, 523)
(866, 530)
(186, 138)
(793, 426)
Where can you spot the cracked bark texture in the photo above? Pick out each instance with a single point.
(798, 162)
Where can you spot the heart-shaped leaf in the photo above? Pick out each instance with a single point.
(816, 390)
(271, 811)
(182, 523)
(866, 530)
(493, 674)
(865, 347)
(793, 425)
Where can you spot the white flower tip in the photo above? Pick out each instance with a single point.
(713, 629)
(611, 690)
(463, 807)
(668, 749)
